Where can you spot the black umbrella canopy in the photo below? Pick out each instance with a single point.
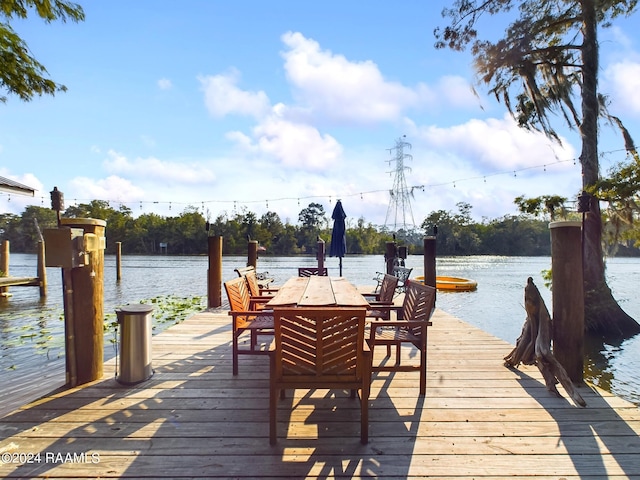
(338, 246)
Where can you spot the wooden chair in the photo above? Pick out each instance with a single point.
(318, 348)
(383, 298)
(244, 318)
(410, 328)
(263, 280)
(402, 273)
(258, 296)
(311, 271)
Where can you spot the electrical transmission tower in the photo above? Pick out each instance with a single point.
(399, 213)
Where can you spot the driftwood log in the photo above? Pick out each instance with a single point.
(533, 347)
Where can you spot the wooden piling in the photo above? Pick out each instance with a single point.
(118, 261)
(429, 247)
(252, 254)
(568, 297)
(42, 270)
(87, 302)
(214, 272)
(320, 255)
(390, 256)
(4, 266)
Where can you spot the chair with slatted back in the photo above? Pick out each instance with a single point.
(311, 271)
(244, 318)
(383, 298)
(320, 348)
(258, 296)
(409, 328)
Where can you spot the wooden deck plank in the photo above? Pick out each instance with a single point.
(193, 419)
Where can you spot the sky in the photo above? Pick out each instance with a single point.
(260, 106)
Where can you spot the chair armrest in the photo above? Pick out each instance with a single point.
(375, 296)
(237, 313)
(386, 305)
(400, 323)
(269, 290)
(259, 299)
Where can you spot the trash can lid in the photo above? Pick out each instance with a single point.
(135, 308)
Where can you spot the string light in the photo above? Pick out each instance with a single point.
(452, 183)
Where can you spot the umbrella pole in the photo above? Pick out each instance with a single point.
(340, 266)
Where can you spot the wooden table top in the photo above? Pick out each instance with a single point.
(317, 291)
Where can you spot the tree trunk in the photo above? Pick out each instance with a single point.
(533, 347)
(603, 315)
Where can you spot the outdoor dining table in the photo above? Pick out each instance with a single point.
(317, 291)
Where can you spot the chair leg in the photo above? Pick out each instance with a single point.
(273, 401)
(423, 369)
(423, 377)
(365, 391)
(235, 353)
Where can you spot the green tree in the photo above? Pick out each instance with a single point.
(547, 59)
(312, 219)
(551, 205)
(23, 232)
(456, 232)
(20, 73)
(621, 190)
(271, 228)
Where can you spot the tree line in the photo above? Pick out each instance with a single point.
(186, 234)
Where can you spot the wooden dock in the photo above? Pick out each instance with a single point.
(19, 281)
(193, 419)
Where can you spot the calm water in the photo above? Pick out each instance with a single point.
(31, 330)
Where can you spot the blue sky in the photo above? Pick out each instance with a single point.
(269, 106)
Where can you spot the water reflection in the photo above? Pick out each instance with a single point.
(614, 365)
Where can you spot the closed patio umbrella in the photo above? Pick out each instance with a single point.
(338, 235)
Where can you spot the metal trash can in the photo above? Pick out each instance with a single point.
(135, 343)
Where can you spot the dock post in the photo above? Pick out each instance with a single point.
(390, 256)
(42, 270)
(568, 297)
(429, 246)
(4, 266)
(320, 255)
(214, 273)
(252, 257)
(118, 261)
(87, 301)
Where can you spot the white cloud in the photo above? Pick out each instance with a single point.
(223, 97)
(331, 85)
(455, 91)
(497, 144)
(154, 169)
(295, 145)
(624, 78)
(113, 187)
(165, 84)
